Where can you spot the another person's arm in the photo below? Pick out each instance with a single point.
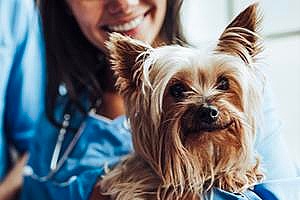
(23, 98)
(282, 178)
(271, 144)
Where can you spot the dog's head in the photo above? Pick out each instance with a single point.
(192, 113)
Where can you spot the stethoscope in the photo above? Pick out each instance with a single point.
(57, 163)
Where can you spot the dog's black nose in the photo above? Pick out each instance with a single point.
(208, 114)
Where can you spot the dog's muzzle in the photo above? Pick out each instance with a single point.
(205, 118)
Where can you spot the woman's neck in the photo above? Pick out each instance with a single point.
(112, 105)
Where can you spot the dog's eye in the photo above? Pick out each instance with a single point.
(223, 83)
(177, 90)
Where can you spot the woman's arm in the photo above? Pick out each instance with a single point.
(24, 93)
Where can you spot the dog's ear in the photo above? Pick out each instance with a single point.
(126, 57)
(241, 35)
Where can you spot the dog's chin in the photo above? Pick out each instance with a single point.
(203, 128)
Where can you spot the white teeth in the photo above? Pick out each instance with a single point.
(127, 26)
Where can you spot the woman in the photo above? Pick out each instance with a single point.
(72, 143)
(83, 130)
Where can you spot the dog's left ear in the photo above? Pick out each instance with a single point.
(241, 35)
(126, 59)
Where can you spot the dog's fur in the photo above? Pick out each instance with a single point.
(177, 154)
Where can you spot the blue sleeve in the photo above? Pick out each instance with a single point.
(281, 189)
(24, 96)
(270, 144)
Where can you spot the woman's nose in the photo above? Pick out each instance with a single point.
(120, 6)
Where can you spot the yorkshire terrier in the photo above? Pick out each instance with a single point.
(193, 115)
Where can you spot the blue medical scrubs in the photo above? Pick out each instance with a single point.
(21, 75)
(101, 144)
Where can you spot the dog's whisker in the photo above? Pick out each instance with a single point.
(246, 124)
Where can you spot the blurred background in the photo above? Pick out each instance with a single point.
(205, 20)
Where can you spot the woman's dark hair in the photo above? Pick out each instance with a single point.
(71, 59)
(171, 29)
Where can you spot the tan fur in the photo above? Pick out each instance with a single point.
(170, 160)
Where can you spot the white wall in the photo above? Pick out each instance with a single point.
(205, 20)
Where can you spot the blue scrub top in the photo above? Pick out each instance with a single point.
(101, 144)
(21, 75)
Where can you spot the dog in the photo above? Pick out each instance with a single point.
(193, 115)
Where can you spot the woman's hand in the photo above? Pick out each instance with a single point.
(13, 181)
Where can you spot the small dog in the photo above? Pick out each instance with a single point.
(193, 115)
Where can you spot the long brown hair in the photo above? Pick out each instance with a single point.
(71, 59)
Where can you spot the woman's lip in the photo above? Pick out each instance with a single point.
(120, 25)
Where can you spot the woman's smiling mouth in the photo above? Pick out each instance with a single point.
(126, 26)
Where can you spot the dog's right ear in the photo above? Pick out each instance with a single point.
(126, 57)
(241, 36)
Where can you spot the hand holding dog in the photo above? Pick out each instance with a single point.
(13, 181)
